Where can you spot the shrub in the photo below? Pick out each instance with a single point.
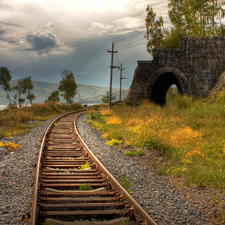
(113, 142)
(183, 101)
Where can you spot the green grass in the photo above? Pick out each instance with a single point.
(126, 184)
(112, 142)
(85, 187)
(188, 133)
(140, 152)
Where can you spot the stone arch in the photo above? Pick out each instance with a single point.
(160, 81)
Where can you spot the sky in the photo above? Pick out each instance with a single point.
(41, 38)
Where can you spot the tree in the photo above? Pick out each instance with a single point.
(20, 88)
(154, 32)
(105, 98)
(67, 86)
(189, 19)
(197, 18)
(5, 78)
(54, 97)
(28, 86)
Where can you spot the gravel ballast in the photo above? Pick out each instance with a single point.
(18, 172)
(159, 199)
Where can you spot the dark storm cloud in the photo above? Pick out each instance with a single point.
(9, 40)
(6, 39)
(42, 42)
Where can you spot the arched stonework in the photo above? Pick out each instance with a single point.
(194, 68)
(181, 81)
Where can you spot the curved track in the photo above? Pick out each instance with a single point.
(57, 198)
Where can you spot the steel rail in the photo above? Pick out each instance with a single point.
(138, 210)
(38, 166)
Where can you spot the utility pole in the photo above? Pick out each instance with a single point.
(121, 78)
(111, 73)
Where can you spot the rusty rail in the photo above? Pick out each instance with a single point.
(56, 195)
(138, 210)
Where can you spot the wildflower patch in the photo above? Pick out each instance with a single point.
(113, 120)
(194, 153)
(105, 112)
(185, 135)
(10, 146)
(85, 166)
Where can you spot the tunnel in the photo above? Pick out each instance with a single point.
(161, 86)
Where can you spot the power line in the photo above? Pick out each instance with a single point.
(130, 43)
(132, 46)
(128, 71)
(130, 36)
(128, 74)
(117, 57)
(131, 62)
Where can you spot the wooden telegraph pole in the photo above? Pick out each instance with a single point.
(111, 73)
(121, 78)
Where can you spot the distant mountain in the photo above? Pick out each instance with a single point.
(43, 89)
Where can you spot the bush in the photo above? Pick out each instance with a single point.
(183, 101)
(128, 102)
(220, 96)
(113, 142)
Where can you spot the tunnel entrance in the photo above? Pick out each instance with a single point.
(162, 85)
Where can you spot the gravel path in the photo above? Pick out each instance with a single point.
(157, 198)
(18, 173)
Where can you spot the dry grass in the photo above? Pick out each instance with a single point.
(15, 121)
(190, 133)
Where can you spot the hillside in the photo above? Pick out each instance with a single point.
(97, 99)
(43, 90)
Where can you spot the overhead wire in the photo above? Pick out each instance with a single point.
(130, 36)
(130, 43)
(131, 46)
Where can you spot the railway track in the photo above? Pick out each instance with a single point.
(59, 197)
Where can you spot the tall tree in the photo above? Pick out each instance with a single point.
(28, 86)
(154, 30)
(20, 89)
(67, 86)
(190, 18)
(5, 78)
(197, 18)
(54, 97)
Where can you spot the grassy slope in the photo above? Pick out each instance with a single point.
(188, 133)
